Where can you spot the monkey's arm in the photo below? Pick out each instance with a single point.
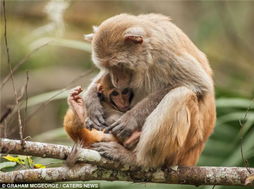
(95, 114)
(74, 117)
(134, 119)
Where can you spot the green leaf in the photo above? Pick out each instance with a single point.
(45, 97)
(7, 165)
(235, 158)
(236, 116)
(233, 102)
(14, 159)
(29, 161)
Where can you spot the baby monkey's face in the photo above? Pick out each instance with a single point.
(121, 99)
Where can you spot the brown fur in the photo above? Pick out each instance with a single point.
(74, 120)
(78, 133)
(155, 54)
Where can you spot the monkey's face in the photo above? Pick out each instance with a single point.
(121, 77)
(121, 99)
(120, 45)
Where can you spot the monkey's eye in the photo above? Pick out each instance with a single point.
(114, 93)
(125, 91)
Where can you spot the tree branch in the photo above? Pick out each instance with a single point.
(100, 170)
(56, 151)
(184, 175)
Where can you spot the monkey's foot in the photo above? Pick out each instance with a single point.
(77, 103)
(114, 151)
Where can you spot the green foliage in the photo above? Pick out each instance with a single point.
(7, 164)
(46, 97)
(11, 162)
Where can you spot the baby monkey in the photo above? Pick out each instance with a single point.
(115, 103)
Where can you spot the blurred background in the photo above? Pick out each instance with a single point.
(49, 56)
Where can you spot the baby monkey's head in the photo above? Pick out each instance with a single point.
(119, 99)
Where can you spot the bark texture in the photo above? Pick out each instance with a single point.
(103, 169)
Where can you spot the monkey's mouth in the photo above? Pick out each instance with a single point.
(121, 109)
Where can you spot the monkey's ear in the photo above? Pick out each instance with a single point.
(100, 92)
(88, 37)
(99, 88)
(95, 29)
(134, 34)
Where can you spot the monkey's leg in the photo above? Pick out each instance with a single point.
(74, 117)
(115, 151)
(72, 125)
(164, 136)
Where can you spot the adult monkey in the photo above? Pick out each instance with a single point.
(173, 87)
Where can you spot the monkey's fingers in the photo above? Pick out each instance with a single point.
(100, 145)
(98, 119)
(80, 101)
(122, 132)
(132, 140)
(108, 150)
(97, 123)
(109, 129)
(101, 120)
(89, 123)
(93, 125)
(76, 90)
(103, 151)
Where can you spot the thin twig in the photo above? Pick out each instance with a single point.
(245, 161)
(60, 92)
(26, 96)
(6, 114)
(11, 73)
(6, 79)
(5, 128)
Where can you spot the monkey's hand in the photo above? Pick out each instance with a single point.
(124, 127)
(114, 151)
(95, 114)
(76, 103)
(134, 119)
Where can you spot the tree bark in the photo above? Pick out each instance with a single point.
(101, 169)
